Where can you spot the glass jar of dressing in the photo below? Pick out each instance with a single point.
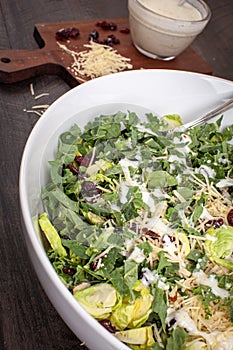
(162, 29)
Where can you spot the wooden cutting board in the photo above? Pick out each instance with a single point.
(18, 65)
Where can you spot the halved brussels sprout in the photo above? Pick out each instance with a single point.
(98, 300)
(137, 338)
(133, 313)
(219, 245)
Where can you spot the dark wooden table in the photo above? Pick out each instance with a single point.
(27, 319)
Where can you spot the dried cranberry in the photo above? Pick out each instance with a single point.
(102, 24)
(83, 160)
(150, 233)
(220, 221)
(173, 298)
(209, 224)
(214, 223)
(230, 217)
(113, 39)
(106, 25)
(69, 271)
(94, 264)
(104, 42)
(110, 40)
(107, 324)
(66, 33)
(94, 35)
(73, 169)
(74, 33)
(78, 159)
(125, 30)
(112, 26)
(116, 41)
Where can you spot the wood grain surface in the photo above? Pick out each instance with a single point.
(50, 58)
(27, 319)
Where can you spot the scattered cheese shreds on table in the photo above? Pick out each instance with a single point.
(37, 109)
(97, 60)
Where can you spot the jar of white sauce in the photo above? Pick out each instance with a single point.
(163, 28)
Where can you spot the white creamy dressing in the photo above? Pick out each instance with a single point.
(207, 171)
(115, 207)
(142, 128)
(185, 150)
(150, 277)
(184, 220)
(182, 319)
(179, 178)
(169, 246)
(129, 244)
(124, 185)
(138, 155)
(147, 198)
(128, 142)
(137, 255)
(170, 8)
(210, 281)
(174, 158)
(205, 215)
(125, 164)
(159, 194)
(186, 140)
(162, 285)
(123, 192)
(223, 160)
(225, 183)
(211, 238)
(157, 225)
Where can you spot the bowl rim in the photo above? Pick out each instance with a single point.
(30, 233)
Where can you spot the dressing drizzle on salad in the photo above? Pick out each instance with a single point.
(139, 231)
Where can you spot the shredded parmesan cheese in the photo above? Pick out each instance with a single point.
(32, 89)
(41, 95)
(40, 107)
(37, 109)
(97, 60)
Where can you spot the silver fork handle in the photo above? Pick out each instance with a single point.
(223, 108)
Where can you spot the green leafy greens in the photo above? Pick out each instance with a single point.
(137, 225)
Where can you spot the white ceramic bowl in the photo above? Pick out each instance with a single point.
(163, 29)
(161, 91)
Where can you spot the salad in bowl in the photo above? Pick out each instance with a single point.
(140, 228)
(129, 224)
